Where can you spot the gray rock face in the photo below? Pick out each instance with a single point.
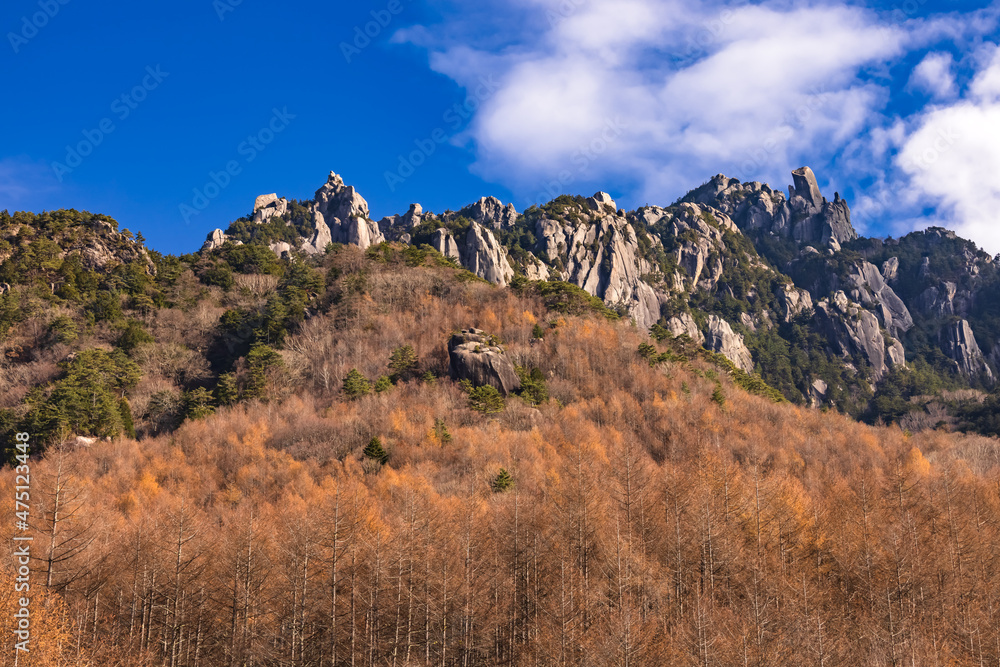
(684, 325)
(805, 216)
(854, 330)
(944, 300)
(490, 212)
(867, 286)
(478, 251)
(599, 252)
(890, 269)
(807, 188)
(345, 215)
(216, 239)
(472, 357)
(394, 227)
(794, 301)
(485, 257)
(268, 206)
(959, 343)
(721, 338)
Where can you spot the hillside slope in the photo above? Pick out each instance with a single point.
(629, 504)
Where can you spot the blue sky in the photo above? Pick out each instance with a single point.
(188, 110)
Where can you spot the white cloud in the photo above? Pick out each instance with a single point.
(649, 98)
(952, 158)
(934, 76)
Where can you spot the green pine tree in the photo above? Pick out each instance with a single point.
(719, 397)
(537, 331)
(198, 403)
(128, 426)
(375, 451)
(502, 482)
(486, 399)
(226, 391)
(355, 385)
(382, 384)
(403, 363)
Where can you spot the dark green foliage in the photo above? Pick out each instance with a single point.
(251, 258)
(533, 388)
(383, 384)
(563, 297)
(719, 396)
(198, 403)
(403, 363)
(125, 410)
(375, 451)
(106, 307)
(502, 482)
(356, 385)
(219, 274)
(133, 336)
(537, 332)
(63, 329)
(429, 377)
(261, 362)
(226, 391)
(486, 399)
(441, 431)
(86, 400)
(424, 232)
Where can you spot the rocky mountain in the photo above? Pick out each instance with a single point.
(781, 284)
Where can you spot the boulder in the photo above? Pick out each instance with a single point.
(721, 338)
(472, 356)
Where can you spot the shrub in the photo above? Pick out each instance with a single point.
(382, 384)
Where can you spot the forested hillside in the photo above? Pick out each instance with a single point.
(574, 437)
(632, 505)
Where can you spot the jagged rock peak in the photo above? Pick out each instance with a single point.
(491, 212)
(959, 343)
(602, 203)
(807, 187)
(341, 215)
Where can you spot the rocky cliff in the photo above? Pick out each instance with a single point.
(766, 278)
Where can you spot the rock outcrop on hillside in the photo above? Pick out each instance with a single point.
(867, 286)
(854, 330)
(594, 248)
(721, 338)
(959, 343)
(724, 247)
(477, 250)
(805, 216)
(474, 357)
(341, 216)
